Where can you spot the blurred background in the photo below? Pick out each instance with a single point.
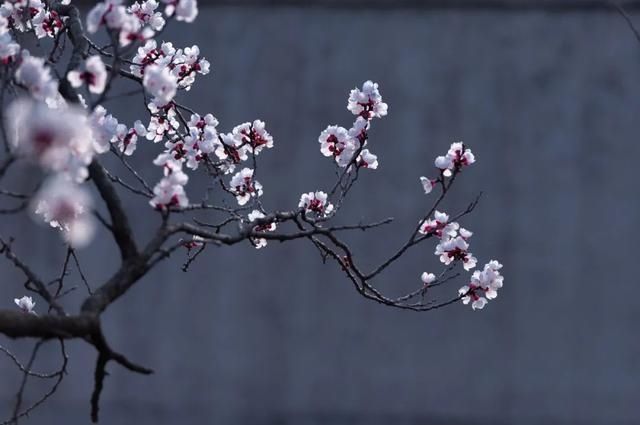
(546, 94)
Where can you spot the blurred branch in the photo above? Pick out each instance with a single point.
(625, 15)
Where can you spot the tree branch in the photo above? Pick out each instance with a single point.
(119, 221)
(17, 324)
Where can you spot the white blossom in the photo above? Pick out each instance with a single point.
(469, 294)
(359, 131)
(335, 142)
(183, 65)
(109, 12)
(427, 184)
(265, 227)
(428, 278)
(203, 139)
(21, 13)
(160, 83)
(36, 77)
(233, 148)
(244, 187)
(367, 102)
(484, 286)
(147, 14)
(249, 137)
(93, 74)
(436, 225)
(185, 10)
(457, 157)
(26, 304)
(127, 138)
(367, 160)
(455, 249)
(441, 217)
(59, 140)
(9, 49)
(169, 192)
(460, 154)
(46, 23)
(104, 128)
(66, 206)
(316, 202)
(164, 122)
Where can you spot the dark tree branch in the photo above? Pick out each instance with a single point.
(16, 324)
(119, 221)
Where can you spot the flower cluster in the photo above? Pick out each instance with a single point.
(248, 138)
(454, 246)
(184, 10)
(28, 15)
(104, 127)
(46, 23)
(343, 144)
(163, 122)
(107, 131)
(457, 157)
(264, 227)
(169, 192)
(335, 141)
(196, 147)
(453, 242)
(141, 20)
(93, 74)
(346, 147)
(147, 14)
(367, 102)
(36, 77)
(160, 83)
(9, 49)
(121, 20)
(20, 13)
(127, 138)
(244, 187)
(66, 206)
(203, 143)
(181, 64)
(316, 202)
(59, 140)
(484, 286)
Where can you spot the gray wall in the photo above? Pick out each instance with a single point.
(549, 104)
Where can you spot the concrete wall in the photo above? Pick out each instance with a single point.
(549, 104)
